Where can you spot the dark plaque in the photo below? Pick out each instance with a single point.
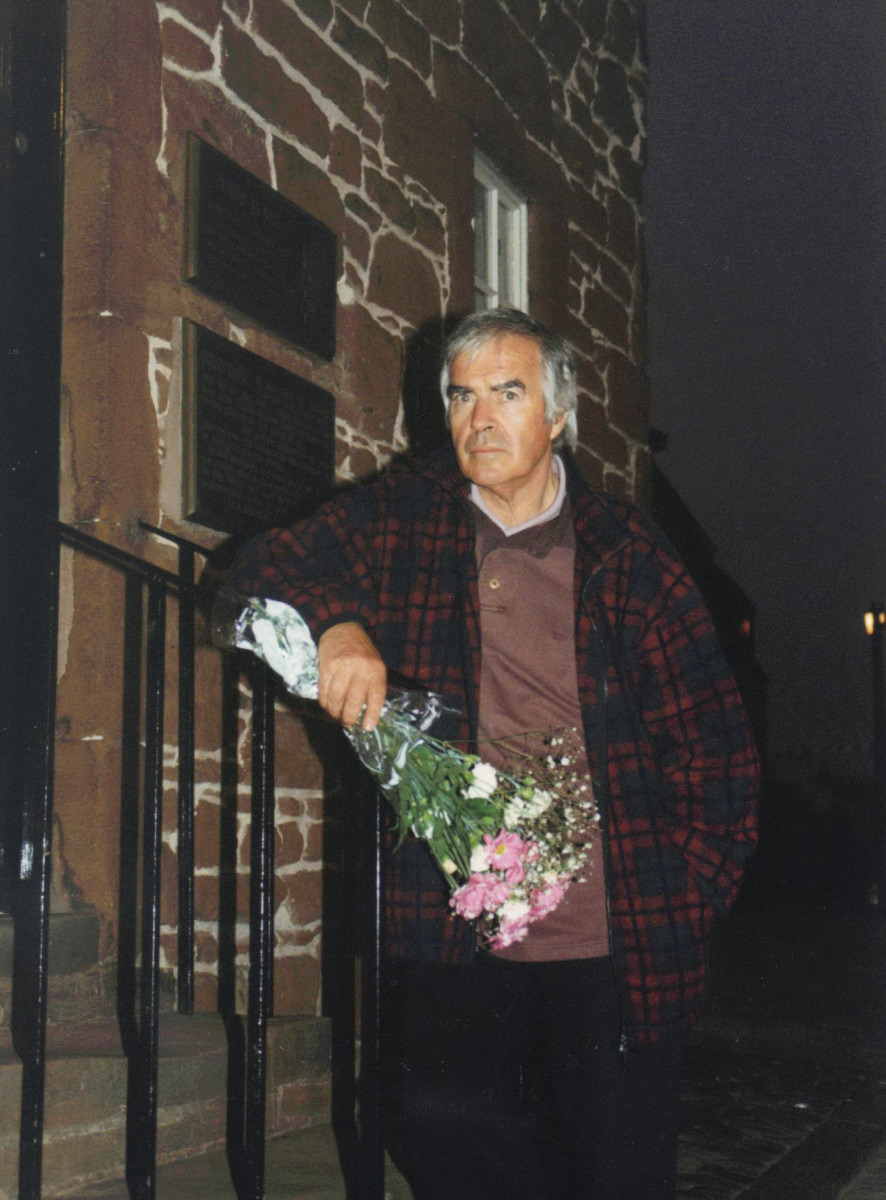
(250, 247)
(259, 441)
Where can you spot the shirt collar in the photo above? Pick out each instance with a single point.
(553, 509)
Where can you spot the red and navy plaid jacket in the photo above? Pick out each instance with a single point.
(660, 708)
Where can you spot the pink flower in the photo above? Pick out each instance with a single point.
(515, 874)
(545, 900)
(510, 931)
(504, 850)
(482, 893)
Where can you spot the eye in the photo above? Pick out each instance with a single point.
(511, 395)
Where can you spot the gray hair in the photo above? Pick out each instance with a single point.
(557, 361)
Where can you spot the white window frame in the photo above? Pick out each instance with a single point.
(501, 274)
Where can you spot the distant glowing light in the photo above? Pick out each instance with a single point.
(873, 617)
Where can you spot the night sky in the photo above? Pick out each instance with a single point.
(765, 203)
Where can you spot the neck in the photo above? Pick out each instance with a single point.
(513, 506)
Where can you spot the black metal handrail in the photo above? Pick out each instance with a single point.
(145, 705)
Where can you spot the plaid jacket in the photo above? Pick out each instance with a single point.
(660, 708)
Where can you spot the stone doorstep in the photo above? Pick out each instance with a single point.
(79, 989)
(303, 1165)
(86, 1075)
(73, 942)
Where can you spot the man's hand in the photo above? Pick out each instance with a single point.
(352, 675)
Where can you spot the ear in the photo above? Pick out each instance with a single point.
(558, 425)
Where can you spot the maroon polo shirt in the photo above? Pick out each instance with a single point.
(528, 684)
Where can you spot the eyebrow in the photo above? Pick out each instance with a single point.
(509, 385)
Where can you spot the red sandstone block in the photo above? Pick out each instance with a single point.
(111, 429)
(204, 13)
(623, 240)
(405, 280)
(578, 156)
(511, 62)
(389, 197)
(373, 358)
(360, 45)
(441, 20)
(527, 14)
(590, 215)
(289, 844)
(260, 82)
(401, 34)
(429, 229)
(113, 71)
(434, 160)
(346, 155)
(182, 47)
(318, 11)
(311, 56)
(110, 200)
(302, 893)
(357, 243)
(296, 985)
(595, 431)
(560, 39)
(615, 278)
(603, 312)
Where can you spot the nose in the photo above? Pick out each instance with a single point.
(482, 414)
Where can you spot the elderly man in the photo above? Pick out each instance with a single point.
(494, 575)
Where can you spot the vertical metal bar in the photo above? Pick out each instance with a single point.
(31, 948)
(371, 1167)
(142, 1107)
(186, 780)
(130, 808)
(261, 928)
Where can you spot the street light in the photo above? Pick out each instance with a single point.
(874, 623)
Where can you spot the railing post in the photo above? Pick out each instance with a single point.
(371, 1165)
(31, 946)
(261, 928)
(186, 697)
(142, 1109)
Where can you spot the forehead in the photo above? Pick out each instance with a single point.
(508, 356)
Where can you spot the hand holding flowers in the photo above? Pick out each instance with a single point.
(508, 843)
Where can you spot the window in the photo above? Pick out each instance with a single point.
(500, 240)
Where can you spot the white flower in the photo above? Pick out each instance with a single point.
(479, 859)
(485, 781)
(448, 866)
(541, 802)
(514, 813)
(514, 910)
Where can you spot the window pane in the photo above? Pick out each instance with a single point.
(505, 255)
(480, 231)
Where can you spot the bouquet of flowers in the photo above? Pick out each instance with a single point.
(508, 843)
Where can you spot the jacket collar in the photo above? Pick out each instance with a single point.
(600, 520)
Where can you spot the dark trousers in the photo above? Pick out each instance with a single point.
(506, 1080)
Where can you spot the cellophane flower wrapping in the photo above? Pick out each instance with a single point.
(507, 842)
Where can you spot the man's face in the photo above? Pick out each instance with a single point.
(497, 416)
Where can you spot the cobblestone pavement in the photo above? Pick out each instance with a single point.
(785, 1086)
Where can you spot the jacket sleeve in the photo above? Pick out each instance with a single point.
(699, 736)
(322, 566)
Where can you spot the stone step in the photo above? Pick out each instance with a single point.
(79, 988)
(86, 1074)
(303, 1165)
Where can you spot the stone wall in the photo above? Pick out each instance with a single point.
(367, 114)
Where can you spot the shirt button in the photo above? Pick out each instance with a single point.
(494, 583)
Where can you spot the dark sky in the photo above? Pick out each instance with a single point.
(766, 243)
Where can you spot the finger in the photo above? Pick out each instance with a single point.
(374, 702)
